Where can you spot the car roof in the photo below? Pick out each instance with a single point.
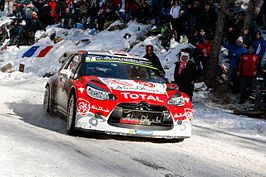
(116, 53)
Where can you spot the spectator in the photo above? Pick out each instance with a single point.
(60, 9)
(235, 51)
(236, 27)
(52, 5)
(66, 19)
(143, 12)
(44, 14)
(185, 74)
(259, 45)
(205, 48)
(208, 19)
(93, 12)
(247, 38)
(182, 23)
(31, 28)
(174, 12)
(83, 12)
(194, 14)
(153, 58)
(247, 70)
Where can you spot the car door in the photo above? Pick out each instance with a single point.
(66, 75)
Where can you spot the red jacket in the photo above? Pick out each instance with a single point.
(116, 3)
(53, 6)
(248, 65)
(207, 47)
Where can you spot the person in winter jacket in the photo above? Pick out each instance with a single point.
(174, 12)
(208, 18)
(143, 12)
(235, 51)
(259, 45)
(185, 74)
(153, 58)
(247, 70)
(53, 5)
(204, 47)
(83, 12)
(31, 28)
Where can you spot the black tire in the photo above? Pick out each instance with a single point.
(71, 115)
(177, 140)
(47, 100)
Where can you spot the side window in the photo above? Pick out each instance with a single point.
(73, 64)
(64, 60)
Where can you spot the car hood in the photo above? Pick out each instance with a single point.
(134, 90)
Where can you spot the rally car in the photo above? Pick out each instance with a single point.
(119, 94)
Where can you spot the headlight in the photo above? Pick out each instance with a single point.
(176, 100)
(99, 93)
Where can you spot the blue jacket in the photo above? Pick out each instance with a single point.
(259, 47)
(236, 52)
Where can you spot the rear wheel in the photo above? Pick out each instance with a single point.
(71, 115)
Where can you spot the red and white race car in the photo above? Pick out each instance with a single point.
(119, 94)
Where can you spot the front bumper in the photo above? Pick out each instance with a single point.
(180, 129)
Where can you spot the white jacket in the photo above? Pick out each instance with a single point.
(175, 11)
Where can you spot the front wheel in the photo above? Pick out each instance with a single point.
(71, 115)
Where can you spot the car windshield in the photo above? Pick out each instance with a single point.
(123, 69)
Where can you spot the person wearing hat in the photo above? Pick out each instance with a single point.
(32, 26)
(153, 58)
(235, 52)
(185, 73)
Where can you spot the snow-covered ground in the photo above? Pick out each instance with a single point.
(213, 147)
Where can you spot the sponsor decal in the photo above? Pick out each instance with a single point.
(83, 106)
(147, 84)
(119, 82)
(141, 96)
(186, 99)
(187, 113)
(144, 132)
(104, 58)
(93, 122)
(99, 108)
(131, 132)
(81, 90)
(137, 86)
(89, 120)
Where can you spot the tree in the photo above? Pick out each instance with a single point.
(211, 74)
(252, 8)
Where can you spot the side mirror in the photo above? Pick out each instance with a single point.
(63, 58)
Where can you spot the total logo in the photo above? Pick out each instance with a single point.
(141, 97)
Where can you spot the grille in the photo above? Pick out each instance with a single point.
(142, 116)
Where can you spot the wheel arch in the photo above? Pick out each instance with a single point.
(72, 91)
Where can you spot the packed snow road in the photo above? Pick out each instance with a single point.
(34, 144)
